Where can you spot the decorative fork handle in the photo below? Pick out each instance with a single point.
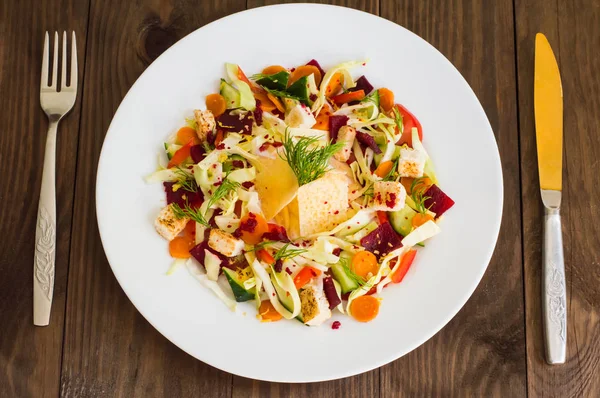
(45, 235)
(554, 289)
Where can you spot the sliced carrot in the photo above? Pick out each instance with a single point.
(386, 99)
(348, 97)
(268, 313)
(187, 134)
(323, 119)
(272, 69)
(364, 263)
(407, 183)
(219, 137)
(365, 308)
(265, 102)
(277, 103)
(190, 230)
(181, 155)
(264, 256)
(305, 70)
(180, 247)
(420, 219)
(242, 76)
(384, 168)
(382, 217)
(253, 226)
(216, 104)
(335, 84)
(305, 275)
(405, 264)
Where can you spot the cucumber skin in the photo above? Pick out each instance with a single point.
(239, 292)
(346, 283)
(401, 220)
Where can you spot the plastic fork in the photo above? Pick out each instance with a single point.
(56, 103)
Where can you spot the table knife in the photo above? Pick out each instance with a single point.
(548, 104)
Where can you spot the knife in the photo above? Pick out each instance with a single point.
(548, 104)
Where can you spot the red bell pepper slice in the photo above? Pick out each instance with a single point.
(408, 121)
(182, 154)
(405, 264)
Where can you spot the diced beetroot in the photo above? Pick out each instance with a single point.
(229, 262)
(257, 114)
(235, 123)
(438, 202)
(336, 122)
(330, 292)
(314, 62)
(382, 240)
(351, 159)
(336, 325)
(198, 153)
(194, 199)
(278, 267)
(362, 84)
(276, 233)
(367, 140)
(176, 197)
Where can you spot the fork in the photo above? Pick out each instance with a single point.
(56, 104)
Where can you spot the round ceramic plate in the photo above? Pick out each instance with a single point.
(457, 135)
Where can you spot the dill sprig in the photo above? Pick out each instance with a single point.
(285, 253)
(262, 245)
(307, 160)
(185, 180)
(398, 119)
(359, 280)
(391, 175)
(222, 190)
(417, 193)
(187, 211)
(369, 192)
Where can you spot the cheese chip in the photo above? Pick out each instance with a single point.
(276, 185)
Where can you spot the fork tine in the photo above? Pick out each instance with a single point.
(63, 67)
(55, 62)
(45, 61)
(73, 82)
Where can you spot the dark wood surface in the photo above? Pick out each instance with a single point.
(98, 345)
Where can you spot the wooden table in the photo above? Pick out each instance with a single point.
(98, 345)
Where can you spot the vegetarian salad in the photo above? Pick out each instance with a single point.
(302, 190)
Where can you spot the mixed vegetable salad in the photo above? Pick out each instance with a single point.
(303, 190)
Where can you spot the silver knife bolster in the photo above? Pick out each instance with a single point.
(554, 291)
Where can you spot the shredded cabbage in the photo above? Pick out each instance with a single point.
(249, 283)
(338, 289)
(286, 283)
(357, 222)
(247, 100)
(212, 263)
(227, 223)
(197, 273)
(342, 244)
(301, 260)
(425, 231)
(359, 113)
(274, 123)
(168, 175)
(428, 163)
(360, 159)
(343, 68)
(251, 201)
(263, 275)
(243, 175)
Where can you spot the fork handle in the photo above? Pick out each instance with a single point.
(45, 235)
(554, 289)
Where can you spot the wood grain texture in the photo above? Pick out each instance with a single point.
(364, 385)
(30, 356)
(573, 29)
(481, 352)
(109, 349)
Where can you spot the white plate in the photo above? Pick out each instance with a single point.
(457, 135)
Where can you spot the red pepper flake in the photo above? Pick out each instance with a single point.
(325, 202)
(248, 184)
(228, 226)
(336, 325)
(250, 224)
(216, 184)
(273, 294)
(336, 212)
(277, 144)
(264, 146)
(391, 202)
(288, 270)
(313, 273)
(337, 251)
(238, 163)
(313, 97)
(293, 69)
(221, 146)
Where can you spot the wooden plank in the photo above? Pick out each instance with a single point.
(31, 356)
(481, 352)
(109, 349)
(364, 385)
(573, 30)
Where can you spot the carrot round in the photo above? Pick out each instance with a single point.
(265, 102)
(216, 104)
(384, 168)
(334, 85)
(272, 69)
(364, 263)
(187, 134)
(253, 226)
(268, 313)
(305, 70)
(348, 97)
(420, 219)
(386, 98)
(365, 308)
(180, 247)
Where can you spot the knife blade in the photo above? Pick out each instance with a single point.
(548, 107)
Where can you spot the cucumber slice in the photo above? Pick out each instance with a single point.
(401, 220)
(231, 95)
(236, 281)
(345, 282)
(277, 81)
(286, 300)
(171, 149)
(302, 88)
(247, 100)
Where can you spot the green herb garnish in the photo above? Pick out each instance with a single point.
(222, 191)
(369, 192)
(350, 274)
(398, 119)
(307, 160)
(285, 253)
(391, 175)
(185, 180)
(188, 212)
(417, 195)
